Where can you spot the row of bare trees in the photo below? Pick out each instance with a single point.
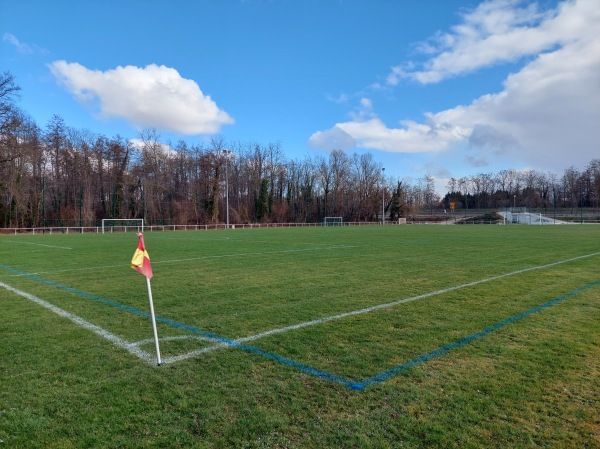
(61, 176)
(532, 189)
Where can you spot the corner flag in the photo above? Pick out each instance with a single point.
(141, 261)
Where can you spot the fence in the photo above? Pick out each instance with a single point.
(155, 228)
(216, 226)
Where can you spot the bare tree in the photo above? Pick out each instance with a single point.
(9, 91)
(592, 183)
(67, 175)
(571, 187)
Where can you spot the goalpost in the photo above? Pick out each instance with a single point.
(332, 221)
(122, 224)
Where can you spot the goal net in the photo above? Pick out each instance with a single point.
(122, 225)
(332, 221)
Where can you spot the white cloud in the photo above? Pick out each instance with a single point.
(548, 110)
(340, 99)
(142, 145)
(373, 134)
(21, 47)
(497, 31)
(412, 138)
(364, 110)
(437, 170)
(153, 96)
(332, 139)
(487, 137)
(546, 113)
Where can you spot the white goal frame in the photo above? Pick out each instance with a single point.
(333, 221)
(139, 228)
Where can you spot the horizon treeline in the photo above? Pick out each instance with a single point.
(62, 176)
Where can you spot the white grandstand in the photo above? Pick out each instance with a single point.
(521, 216)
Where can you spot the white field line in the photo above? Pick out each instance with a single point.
(65, 270)
(129, 347)
(191, 239)
(26, 251)
(37, 244)
(195, 353)
(158, 262)
(150, 341)
(372, 308)
(187, 355)
(134, 348)
(258, 253)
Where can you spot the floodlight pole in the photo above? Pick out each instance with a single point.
(227, 152)
(383, 196)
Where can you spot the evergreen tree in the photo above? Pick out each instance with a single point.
(262, 201)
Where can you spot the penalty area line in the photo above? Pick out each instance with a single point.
(132, 348)
(402, 301)
(261, 253)
(242, 340)
(37, 244)
(443, 350)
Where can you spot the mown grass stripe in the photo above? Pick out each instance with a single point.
(37, 244)
(354, 385)
(209, 335)
(75, 291)
(403, 301)
(385, 375)
(130, 347)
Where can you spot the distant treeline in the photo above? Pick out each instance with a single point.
(532, 189)
(61, 176)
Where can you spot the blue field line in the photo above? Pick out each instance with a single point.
(349, 383)
(387, 374)
(77, 292)
(209, 335)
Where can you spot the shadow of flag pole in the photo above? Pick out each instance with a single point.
(141, 263)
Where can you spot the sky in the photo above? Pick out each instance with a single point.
(444, 88)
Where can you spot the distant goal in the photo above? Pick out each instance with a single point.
(333, 221)
(122, 225)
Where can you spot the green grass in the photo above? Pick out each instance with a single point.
(532, 383)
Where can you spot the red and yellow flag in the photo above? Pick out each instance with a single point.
(141, 261)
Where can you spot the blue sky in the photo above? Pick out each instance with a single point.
(444, 88)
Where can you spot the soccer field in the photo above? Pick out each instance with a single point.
(395, 336)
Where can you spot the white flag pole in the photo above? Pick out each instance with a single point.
(158, 361)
